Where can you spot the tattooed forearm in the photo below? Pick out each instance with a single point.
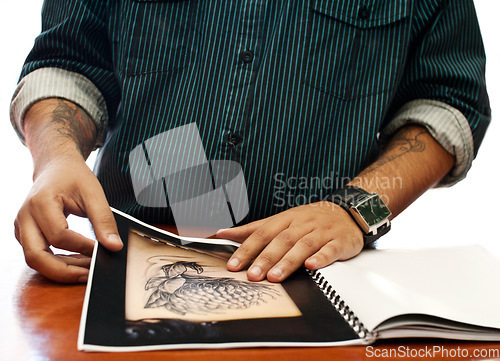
(73, 123)
(401, 144)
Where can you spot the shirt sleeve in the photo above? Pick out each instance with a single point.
(443, 86)
(71, 59)
(447, 125)
(47, 83)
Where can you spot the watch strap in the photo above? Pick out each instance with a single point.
(347, 196)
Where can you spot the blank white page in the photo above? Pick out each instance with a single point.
(458, 283)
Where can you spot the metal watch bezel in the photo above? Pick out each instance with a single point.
(360, 219)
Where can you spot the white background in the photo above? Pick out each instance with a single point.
(467, 213)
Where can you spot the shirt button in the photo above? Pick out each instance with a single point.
(364, 12)
(247, 56)
(233, 139)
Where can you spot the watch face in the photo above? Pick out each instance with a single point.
(373, 210)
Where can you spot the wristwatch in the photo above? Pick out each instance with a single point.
(367, 209)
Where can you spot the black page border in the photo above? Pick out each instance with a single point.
(105, 324)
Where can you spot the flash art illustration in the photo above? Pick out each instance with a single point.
(184, 290)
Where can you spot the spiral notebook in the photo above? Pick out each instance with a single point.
(168, 292)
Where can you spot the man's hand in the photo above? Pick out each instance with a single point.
(60, 136)
(316, 235)
(66, 186)
(322, 233)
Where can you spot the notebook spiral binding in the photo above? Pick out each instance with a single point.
(340, 306)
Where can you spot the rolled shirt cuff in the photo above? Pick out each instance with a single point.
(447, 125)
(47, 83)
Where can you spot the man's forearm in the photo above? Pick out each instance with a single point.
(60, 136)
(411, 163)
(56, 127)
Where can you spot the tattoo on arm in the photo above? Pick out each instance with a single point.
(401, 144)
(75, 124)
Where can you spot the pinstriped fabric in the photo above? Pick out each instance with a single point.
(295, 91)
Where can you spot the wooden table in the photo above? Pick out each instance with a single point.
(40, 321)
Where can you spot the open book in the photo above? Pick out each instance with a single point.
(168, 292)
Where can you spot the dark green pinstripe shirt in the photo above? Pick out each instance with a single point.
(295, 91)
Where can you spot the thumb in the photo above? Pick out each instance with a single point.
(104, 224)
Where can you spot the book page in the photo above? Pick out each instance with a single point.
(456, 283)
(171, 282)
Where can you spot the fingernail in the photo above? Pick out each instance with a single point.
(114, 238)
(276, 272)
(83, 279)
(313, 262)
(234, 262)
(256, 271)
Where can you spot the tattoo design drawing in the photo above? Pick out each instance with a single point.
(176, 283)
(184, 290)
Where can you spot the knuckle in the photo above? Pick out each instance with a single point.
(331, 251)
(107, 220)
(290, 263)
(260, 234)
(324, 259)
(242, 251)
(308, 243)
(285, 240)
(57, 239)
(32, 259)
(37, 201)
(266, 259)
